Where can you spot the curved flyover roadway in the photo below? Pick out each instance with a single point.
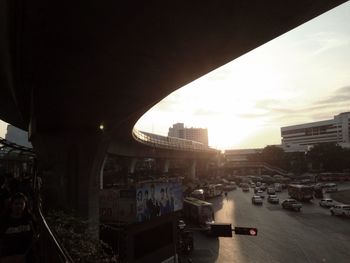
(67, 67)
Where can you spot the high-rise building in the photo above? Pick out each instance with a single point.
(335, 130)
(194, 134)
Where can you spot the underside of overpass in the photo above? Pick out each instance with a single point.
(66, 67)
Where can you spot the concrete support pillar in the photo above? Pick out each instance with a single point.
(132, 165)
(71, 169)
(192, 172)
(165, 166)
(259, 171)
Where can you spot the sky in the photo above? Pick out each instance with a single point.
(299, 77)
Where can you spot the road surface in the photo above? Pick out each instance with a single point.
(312, 235)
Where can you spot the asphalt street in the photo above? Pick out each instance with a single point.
(312, 235)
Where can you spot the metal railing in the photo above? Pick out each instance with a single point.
(46, 248)
(171, 143)
(49, 248)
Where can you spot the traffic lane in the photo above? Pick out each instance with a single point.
(298, 230)
(283, 236)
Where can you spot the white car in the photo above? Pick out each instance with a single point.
(260, 193)
(340, 210)
(256, 200)
(327, 202)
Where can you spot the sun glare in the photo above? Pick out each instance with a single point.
(284, 82)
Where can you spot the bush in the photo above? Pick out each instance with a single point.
(75, 236)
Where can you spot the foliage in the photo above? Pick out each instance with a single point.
(77, 239)
(322, 157)
(297, 163)
(275, 156)
(328, 157)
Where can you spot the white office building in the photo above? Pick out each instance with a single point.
(194, 134)
(305, 135)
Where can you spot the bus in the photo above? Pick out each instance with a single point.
(198, 212)
(300, 192)
(330, 188)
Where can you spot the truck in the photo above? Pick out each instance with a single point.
(300, 192)
(198, 212)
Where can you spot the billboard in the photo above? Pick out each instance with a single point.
(117, 205)
(157, 199)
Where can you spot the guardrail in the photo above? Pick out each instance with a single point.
(262, 164)
(49, 249)
(172, 143)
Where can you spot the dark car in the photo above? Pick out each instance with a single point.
(273, 199)
(326, 202)
(291, 204)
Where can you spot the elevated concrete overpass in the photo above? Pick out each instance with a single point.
(68, 67)
(258, 166)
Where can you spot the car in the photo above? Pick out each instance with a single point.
(233, 185)
(291, 204)
(260, 193)
(245, 189)
(271, 191)
(278, 187)
(257, 200)
(252, 185)
(256, 189)
(340, 210)
(263, 187)
(326, 202)
(273, 199)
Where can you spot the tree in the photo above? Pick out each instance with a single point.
(275, 156)
(328, 157)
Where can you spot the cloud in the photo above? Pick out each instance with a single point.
(323, 109)
(206, 112)
(339, 96)
(326, 41)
